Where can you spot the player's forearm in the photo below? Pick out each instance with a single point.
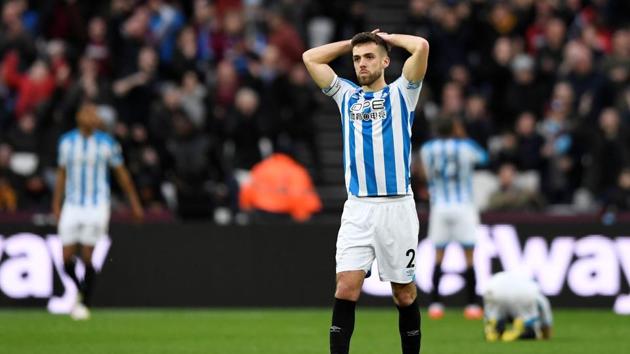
(326, 53)
(130, 190)
(59, 191)
(412, 44)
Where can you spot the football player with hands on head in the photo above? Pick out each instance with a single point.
(379, 220)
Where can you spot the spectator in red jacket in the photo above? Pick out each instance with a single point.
(34, 87)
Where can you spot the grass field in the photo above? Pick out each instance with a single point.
(286, 331)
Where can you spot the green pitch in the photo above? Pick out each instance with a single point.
(288, 331)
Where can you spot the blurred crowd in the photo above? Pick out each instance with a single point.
(544, 86)
(198, 92)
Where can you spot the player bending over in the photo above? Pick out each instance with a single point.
(515, 308)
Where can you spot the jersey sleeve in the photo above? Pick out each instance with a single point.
(338, 88)
(425, 159)
(545, 309)
(115, 156)
(410, 91)
(476, 153)
(63, 153)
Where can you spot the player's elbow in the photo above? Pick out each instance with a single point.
(423, 45)
(307, 57)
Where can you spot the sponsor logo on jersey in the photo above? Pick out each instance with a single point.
(368, 110)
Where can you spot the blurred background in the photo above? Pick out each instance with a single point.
(200, 92)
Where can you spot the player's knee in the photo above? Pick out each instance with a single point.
(405, 296)
(347, 291)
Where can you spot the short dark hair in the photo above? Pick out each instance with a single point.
(369, 37)
(444, 127)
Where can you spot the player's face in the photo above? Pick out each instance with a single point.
(88, 118)
(370, 61)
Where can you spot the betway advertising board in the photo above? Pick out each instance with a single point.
(191, 265)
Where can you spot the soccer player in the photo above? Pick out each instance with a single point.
(85, 154)
(449, 162)
(515, 308)
(379, 219)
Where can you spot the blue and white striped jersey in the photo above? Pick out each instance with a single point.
(449, 166)
(87, 161)
(376, 129)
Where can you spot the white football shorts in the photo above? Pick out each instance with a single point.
(458, 223)
(381, 228)
(83, 224)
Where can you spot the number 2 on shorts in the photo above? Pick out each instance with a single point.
(413, 256)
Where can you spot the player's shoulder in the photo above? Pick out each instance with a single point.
(470, 143)
(348, 82)
(339, 87)
(428, 144)
(104, 137)
(68, 136)
(402, 83)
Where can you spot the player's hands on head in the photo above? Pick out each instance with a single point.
(386, 36)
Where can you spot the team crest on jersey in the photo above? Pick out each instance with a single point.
(368, 110)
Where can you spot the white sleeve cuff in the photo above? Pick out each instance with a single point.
(334, 87)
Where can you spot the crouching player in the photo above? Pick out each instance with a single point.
(515, 308)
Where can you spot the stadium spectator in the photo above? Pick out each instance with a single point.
(14, 34)
(301, 126)
(587, 83)
(452, 101)
(186, 56)
(189, 148)
(8, 197)
(523, 92)
(164, 23)
(618, 197)
(97, 48)
(609, 153)
(549, 54)
(556, 130)
(89, 85)
(26, 165)
(477, 121)
(418, 21)
(193, 99)
(278, 186)
(33, 87)
(8, 194)
(496, 75)
(136, 89)
(245, 131)
(529, 144)
(284, 36)
(510, 196)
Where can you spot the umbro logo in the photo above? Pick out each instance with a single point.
(335, 329)
(413, 333)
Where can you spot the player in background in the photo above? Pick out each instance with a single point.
(515, 308)
(449, 162)
(379, 219)
(85, 156)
